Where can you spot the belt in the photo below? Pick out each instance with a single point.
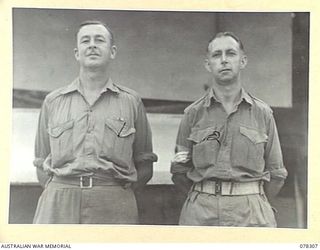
(219, 187)
(85, 181)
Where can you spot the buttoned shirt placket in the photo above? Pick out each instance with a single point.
(89, 140)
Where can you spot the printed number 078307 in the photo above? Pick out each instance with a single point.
(307, 246)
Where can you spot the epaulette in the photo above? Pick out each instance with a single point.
(261, 103)
(128, 91)
(55, 93)
(195, 103)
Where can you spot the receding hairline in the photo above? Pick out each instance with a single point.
(96, 22)
(226, 34)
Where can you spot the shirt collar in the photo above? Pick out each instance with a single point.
(211, 97)
(245, 96)
(75, 86)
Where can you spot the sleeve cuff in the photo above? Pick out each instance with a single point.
(145, 157)
(180, 168)
(38, 162)
(279, 174)
(181, 148)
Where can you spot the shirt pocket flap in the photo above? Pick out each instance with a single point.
(119, 127)
(58, 130)
(254, 135)
(127, 132)
(198, 136)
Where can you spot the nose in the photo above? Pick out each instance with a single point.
(223, 58)
(92, 44)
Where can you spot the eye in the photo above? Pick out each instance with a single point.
(232, 53)
(215, 55)
(100, 40)
(85, 41)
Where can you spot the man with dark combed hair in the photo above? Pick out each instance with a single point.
(93, 144)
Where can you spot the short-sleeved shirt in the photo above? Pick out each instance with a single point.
(107, 139)
(242, 146)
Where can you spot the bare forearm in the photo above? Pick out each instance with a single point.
(42, 177)
(182, 182)
(144, 172)
(272, 188)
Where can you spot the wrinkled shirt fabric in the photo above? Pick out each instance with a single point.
(107, 139)
(242, 146)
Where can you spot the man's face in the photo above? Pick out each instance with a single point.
(94, 48)
(225, 59)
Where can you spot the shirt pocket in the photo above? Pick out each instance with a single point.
(118, 138)
(248, 149)
(61, 143)
(205, 147)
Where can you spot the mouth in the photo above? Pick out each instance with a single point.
(224, 70)
(93, 54)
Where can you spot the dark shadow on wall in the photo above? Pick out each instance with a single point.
(32, 99)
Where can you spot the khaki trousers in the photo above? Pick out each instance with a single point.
(202, 209)
(68, 204)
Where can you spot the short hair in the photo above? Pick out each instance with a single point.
(96, 22)
(227, 34)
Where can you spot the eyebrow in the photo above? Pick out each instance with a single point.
(99, 36)
(88, 36)
(232, 50)
(220, 50)
(83, 37)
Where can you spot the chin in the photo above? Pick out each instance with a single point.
(92, 64)
(225, 81)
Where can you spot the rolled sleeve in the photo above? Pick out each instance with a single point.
(183, 144)
(42, 143)
(278, 173)
(38, 162)
(180, 168)
(273, 154)
(146, 157)
(142, 147)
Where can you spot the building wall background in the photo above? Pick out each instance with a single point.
(160, 54)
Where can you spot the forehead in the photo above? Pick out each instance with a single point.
(223, 43)
(93, 29)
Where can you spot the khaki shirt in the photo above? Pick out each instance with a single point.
(241, 146)
(106, 139)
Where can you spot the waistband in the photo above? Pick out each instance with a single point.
(86, 181)
(217, 187)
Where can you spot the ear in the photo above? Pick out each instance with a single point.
(244, 61)
(113, 51)
(207, 65)
(76, 54)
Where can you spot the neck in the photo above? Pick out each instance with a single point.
(92, 79)
(227, 94)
